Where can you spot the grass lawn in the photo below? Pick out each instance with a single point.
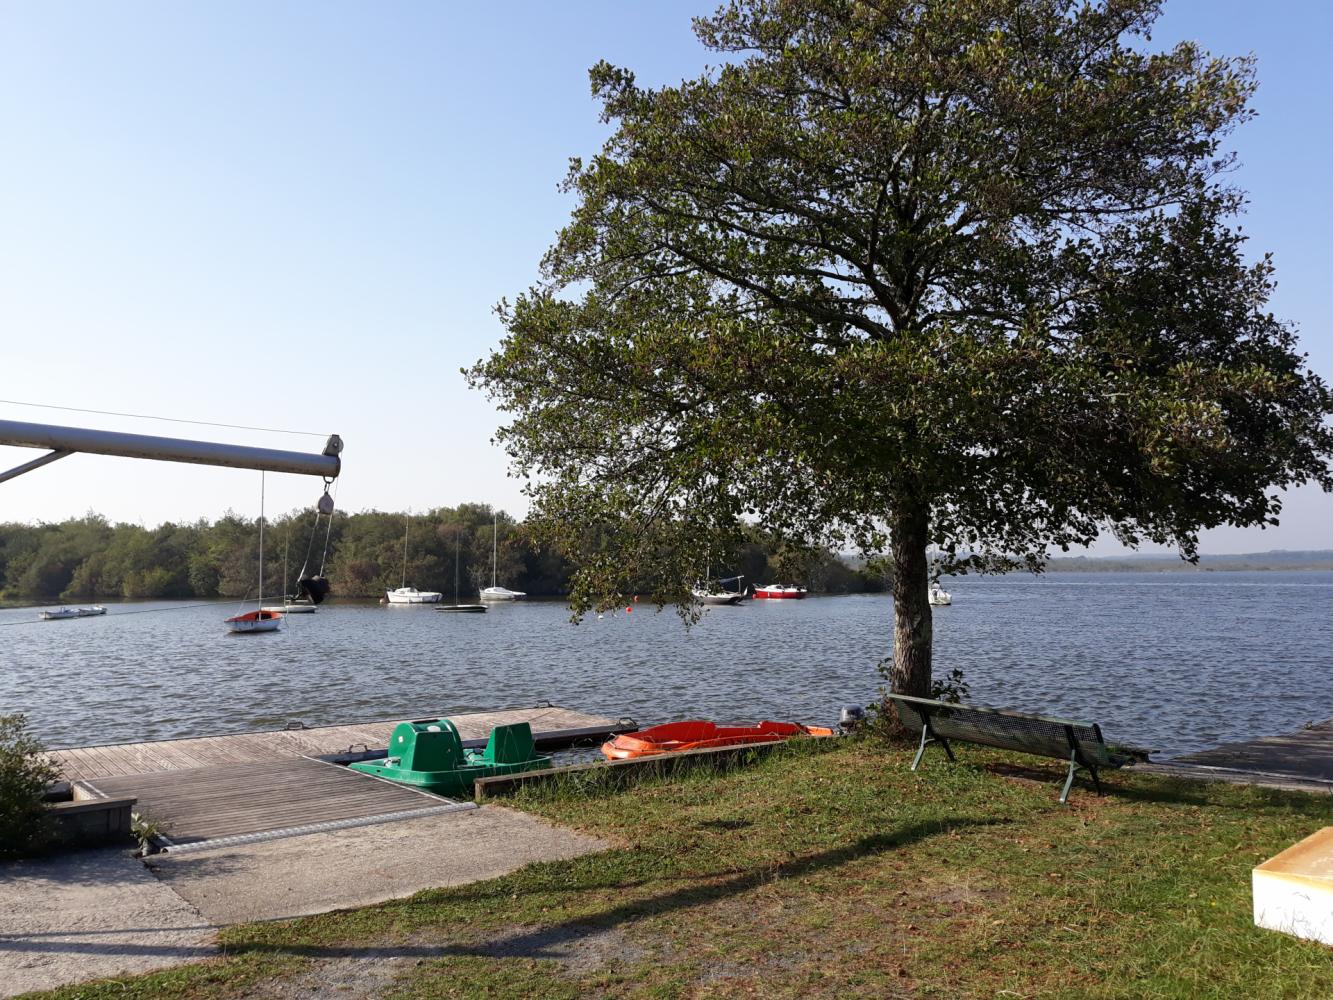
(829, 870)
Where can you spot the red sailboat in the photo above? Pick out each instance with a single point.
(255, 621)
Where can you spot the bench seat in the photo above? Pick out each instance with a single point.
(1080, 743)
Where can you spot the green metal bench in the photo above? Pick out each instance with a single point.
(1080, 743)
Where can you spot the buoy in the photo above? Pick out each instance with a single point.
(628, 608)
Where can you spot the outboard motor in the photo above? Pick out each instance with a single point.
(313, 588)
(851, 718)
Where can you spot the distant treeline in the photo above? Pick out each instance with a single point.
(89, 557)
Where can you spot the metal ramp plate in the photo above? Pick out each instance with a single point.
(208, 807)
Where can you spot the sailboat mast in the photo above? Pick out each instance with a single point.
(407, 521)
(495, 536)
(455, 565)
(261, 539)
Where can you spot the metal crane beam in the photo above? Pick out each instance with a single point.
(66, 440)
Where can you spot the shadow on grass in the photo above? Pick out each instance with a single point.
(556, 942)
(1162, 789)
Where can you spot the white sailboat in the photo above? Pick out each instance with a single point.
(938, 596)
(493, 592)
(261, 620)
(410, 595)
(456, 607)
(721, 596)
(288, 607)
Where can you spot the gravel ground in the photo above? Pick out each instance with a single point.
(91, 915)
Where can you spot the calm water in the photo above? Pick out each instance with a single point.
(1177, 662)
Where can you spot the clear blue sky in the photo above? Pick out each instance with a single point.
(300, 215)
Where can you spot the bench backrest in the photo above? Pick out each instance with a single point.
(997, 727)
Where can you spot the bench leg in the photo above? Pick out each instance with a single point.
(921, 750)
(1096, 780)
(1069, 781)
(928, 735)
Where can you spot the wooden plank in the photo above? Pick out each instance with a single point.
(206, 803)
(234, 749)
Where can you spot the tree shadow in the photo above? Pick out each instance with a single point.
(556, 942)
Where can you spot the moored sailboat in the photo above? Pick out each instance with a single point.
(721, 596)
(410, 595)
(493, 592)
(260, 620)
(255, 621)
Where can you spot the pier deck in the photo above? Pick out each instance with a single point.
(336, 743)
(1300, 761)
(212, 791)
(204, 806)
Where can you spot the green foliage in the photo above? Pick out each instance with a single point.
(959, 274)
(88, 558)
(24, 775)
(145, 830)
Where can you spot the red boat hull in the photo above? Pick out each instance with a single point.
(698, 734)
(255, 621)
(780, 594)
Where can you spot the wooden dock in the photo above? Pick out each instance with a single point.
(216, 791)
(1299, 761)
(337, 743)
(217, 806)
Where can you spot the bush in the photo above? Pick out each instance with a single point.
(882, 721)
(24, 774)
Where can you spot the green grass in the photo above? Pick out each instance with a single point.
(833, 870)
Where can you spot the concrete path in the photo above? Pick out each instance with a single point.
(346, 868)
(98, 914)
(91, 915)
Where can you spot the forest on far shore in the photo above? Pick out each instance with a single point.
(362, 555)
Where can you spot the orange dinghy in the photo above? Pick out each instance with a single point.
(698, 734)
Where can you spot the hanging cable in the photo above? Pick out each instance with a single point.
(305, 563)
(261, 537)
(329, 529)
(170, 420)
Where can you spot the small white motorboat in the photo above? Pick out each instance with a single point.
(780, 592)
(255, 621)
(939, 596)
(410, 595)
(60, 614)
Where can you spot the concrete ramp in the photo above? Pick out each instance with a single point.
(208, 807)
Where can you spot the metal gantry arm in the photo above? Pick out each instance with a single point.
(63, 441)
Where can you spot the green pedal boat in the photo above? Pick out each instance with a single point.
(430, 756)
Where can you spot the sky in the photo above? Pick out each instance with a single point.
(301, 215)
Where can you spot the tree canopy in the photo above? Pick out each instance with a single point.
(949, 274)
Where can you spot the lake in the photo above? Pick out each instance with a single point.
(1173, 661)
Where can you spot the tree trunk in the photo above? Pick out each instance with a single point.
(912, 626)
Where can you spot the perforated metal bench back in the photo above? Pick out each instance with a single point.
(1005, 730)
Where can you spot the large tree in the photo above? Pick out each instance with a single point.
(951, 274)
